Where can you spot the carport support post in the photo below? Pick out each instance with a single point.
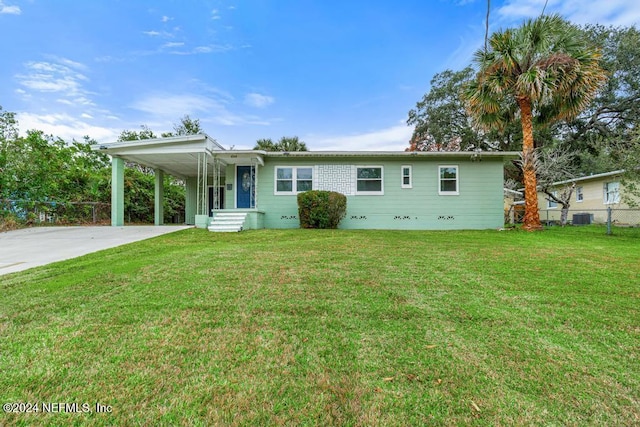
(158, 210)
(117, 192)
(190, 202)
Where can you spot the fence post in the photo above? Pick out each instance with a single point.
(609, 220)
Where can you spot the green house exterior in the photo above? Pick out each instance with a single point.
(385, 190)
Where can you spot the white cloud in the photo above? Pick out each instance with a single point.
(166, 19)
(174, 106)
(66, 126)
(165, 108)
(69, 63)
(79, 101)
(609, 12)
(173, 44)
(9, 10)
(215, 14)
(203, 49)
(60, 76)
(394, 138)
(257, 100)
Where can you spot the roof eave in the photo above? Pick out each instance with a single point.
(181, 139)
(403, 154)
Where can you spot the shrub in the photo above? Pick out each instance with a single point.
(321, 209)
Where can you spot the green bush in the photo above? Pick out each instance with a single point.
(321, 209)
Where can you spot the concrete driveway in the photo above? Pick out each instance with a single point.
(31, 247)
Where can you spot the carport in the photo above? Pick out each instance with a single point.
(207, 169)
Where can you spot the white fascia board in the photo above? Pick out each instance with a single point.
(588, 177)
(231, 156)
(401, 154)
(208, 143)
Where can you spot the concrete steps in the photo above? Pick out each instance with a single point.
(228, 222)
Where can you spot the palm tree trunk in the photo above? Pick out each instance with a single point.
(531, 214)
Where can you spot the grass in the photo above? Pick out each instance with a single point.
(314, 327)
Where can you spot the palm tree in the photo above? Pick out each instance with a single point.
(265, 144)
(291, 143)
(286, 143)
(545, 70)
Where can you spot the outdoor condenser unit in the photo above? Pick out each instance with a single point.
(581, 219)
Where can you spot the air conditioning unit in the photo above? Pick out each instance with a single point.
(581, 219)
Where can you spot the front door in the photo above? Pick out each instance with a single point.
(245, 187)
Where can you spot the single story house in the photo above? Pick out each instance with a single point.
(247, 189)
(592, 195)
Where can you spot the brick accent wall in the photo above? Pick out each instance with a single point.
(339, 178)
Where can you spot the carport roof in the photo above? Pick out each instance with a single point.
(177, 155)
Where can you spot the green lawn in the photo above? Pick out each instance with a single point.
(312, 327)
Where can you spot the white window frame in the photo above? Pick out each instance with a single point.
(615, 193)
(369, 193)
(402, 176)
(294, 180)
(579, 194)
(552, 204)
(448, 193)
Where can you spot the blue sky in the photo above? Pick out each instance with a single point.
(341, 75)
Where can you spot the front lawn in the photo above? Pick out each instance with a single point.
(311, 327)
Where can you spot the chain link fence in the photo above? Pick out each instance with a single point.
(14, 213)
(609, 217)
(56, 212)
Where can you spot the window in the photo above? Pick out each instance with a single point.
(448, 177)
(552, 204)
(579, 194)
(406, 177)
(293, 179)
(304, 179)
(612, 192)
(369, 180)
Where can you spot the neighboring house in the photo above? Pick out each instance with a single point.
(593, 194)
(234, 189)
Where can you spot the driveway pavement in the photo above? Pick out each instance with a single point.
(31, 247)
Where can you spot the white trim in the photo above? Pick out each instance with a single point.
(579, 192)
(589, 177)
(294, 179)
(369, 193)
(606, 192)
(549, 201)
(406, 154)
(410, 176)
(449, 193)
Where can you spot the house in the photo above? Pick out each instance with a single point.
(236, 189)
(592, 195)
